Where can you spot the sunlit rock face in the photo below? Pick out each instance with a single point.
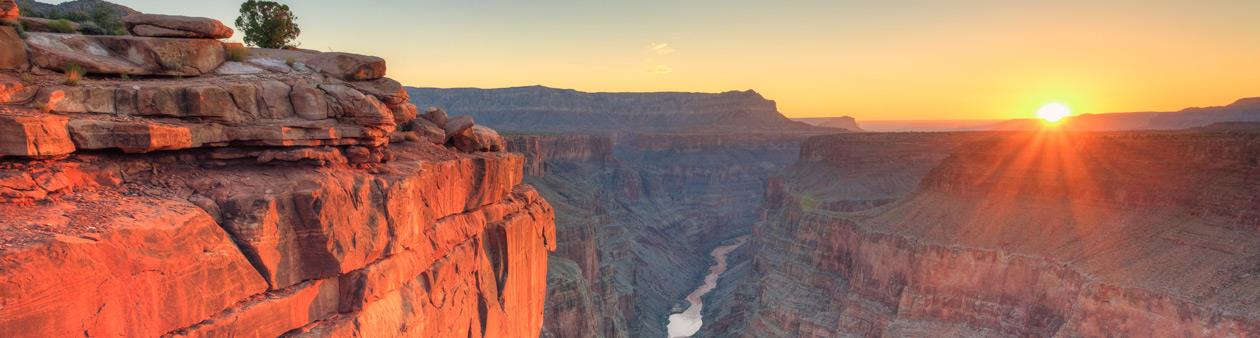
(285, 194)
(1007, 234)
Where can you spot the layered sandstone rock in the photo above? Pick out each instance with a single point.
(1009, 234)
(273, 203)
(326, 252)
(542, 150)
(131, 55)
(349, 67)
(176, 26)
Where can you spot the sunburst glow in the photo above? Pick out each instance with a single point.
(1053, 112)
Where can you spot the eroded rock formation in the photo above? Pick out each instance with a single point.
(636, 217)
(1007, 234)
(288, 199)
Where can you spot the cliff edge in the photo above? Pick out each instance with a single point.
(169, 191)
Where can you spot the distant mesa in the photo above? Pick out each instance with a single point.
(841, 122)
(544, 109)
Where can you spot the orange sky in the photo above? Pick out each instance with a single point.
(965, 59)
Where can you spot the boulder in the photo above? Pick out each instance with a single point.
(387, 90)
(437, 116)
(126, 54)
(427, 131)
(34, 136)
(364, 110)
(175, 26)
(478, 138)
(457, 125)
(8, 9)
(349, 67)
(12, 49)
(403, 113)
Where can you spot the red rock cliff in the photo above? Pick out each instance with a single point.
(258, 198)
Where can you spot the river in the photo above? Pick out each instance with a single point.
(688, 322)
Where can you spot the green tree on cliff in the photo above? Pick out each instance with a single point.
(268, 24)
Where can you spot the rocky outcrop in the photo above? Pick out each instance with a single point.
(349, 67)
(130, 55)
(1007, 234)
(542, 109)
(175, 26)
(275, 203)
(332, 251)
(276, 103)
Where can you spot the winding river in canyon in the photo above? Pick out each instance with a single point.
(688, 322)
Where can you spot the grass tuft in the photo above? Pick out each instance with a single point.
(237, 52)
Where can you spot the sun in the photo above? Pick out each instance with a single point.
(1053, 112)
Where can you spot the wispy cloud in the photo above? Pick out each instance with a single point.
(661, 48)
(658, 69)
(655, 51)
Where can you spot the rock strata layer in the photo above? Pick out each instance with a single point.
(257, 198)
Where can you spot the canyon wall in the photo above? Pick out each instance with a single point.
(541, 109)
(1006, 234)
(636, 215)
(212, 198)
(644, 186)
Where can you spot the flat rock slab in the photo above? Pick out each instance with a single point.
(34, 136)
(128, 55)
(349, 67)
(477, 139)
(176, 26)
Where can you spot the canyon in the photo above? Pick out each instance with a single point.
(176, 190)
(1047, 233)
(173, 191)
(644, 187)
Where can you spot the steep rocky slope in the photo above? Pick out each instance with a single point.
(212, 198)
(637, 216)
(542, 109)
(1007, 234)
